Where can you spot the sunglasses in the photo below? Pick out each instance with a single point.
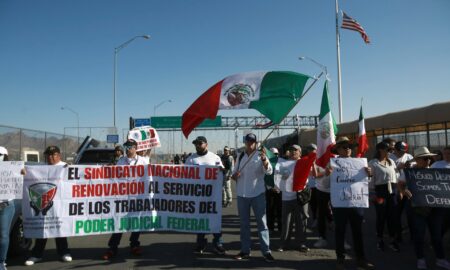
(128, 147)
(345, 147)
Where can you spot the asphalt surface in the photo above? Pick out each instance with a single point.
(168, 250)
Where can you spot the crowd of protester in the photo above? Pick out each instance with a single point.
(278, 212)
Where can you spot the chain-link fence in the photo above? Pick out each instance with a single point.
(29, 145)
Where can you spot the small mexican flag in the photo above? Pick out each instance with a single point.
(272, 93)
(363, 146)
(326, 131)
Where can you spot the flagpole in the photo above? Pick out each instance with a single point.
(338, 48)
(273, 129)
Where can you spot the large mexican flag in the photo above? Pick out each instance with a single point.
(272, 93)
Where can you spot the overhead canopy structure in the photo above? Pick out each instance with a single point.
(424, 119)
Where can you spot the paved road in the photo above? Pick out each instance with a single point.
(166, 250)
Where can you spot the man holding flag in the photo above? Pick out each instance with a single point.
(251, 166)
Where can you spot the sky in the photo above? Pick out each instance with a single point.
(56, 53)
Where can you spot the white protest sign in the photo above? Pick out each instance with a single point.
(146, 137)
(85, 200)
(349, 183)
(284, 174)
(11, 180)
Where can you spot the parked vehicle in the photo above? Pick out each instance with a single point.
(88, 153)
(18, 244)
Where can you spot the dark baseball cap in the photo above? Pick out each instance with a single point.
(200, 139)
(130, 142)
(401, 146)
(52, 150)
(250, 137)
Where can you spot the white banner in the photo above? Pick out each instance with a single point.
(146, 137)
(349, 183)
(11, 180)
(84, 200)
(284, 174)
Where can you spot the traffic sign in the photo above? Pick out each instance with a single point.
(112, 138)
(140, 122)
(175, 122)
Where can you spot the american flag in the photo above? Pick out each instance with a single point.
(352, 24)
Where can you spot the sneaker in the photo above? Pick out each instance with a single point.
(380, 245)
(280, 249)
(321, 243)
(364, 264)
(136, 251)
(219, 250)
(2, 266)
(32, 260)
(199, 250)
(242, 256)
(269, 258)
(109, 254)
(66, 258)
(304, 248)
(394, 246)
(443, 263)
(422, 264)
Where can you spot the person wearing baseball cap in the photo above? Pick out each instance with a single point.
(204, 157)
(292, 212)
(402, 160)
(53, 157)
(249, 173)
(228, 163)
(130, 158)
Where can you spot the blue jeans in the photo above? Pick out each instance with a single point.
(433, 218)
(258, 204)
(6, 216)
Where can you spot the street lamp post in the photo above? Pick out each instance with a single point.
(116, 51)
(78, 122)
(159, 105)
